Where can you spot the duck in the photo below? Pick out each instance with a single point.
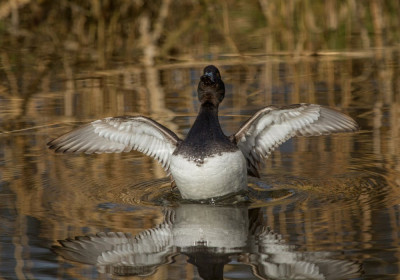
(207, 164)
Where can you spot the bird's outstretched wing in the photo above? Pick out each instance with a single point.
(271, 126)
(120, 134)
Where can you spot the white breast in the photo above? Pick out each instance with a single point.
(217, 176)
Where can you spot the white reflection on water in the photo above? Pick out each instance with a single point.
(210, 236)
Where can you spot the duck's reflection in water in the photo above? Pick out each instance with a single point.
(210, 236)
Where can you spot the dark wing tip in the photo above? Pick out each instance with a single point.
(60, 149)
(53, 146)
(252, 171)
(56, 249)
(56, 146)
(50, 144)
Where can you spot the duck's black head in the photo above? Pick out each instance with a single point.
(211, 88)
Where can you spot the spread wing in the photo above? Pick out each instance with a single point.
(120, 134)
(271, 126)
(122, 252)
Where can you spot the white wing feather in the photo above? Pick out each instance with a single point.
(271, 126)
(120, 134)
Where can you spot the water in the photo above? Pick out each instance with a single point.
(324, 208)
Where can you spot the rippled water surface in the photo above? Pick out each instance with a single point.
(324, 208)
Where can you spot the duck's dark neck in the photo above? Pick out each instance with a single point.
(205, 138)
(206, 127)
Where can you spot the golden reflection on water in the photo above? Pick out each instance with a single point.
(339, 183)
(341, 193)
